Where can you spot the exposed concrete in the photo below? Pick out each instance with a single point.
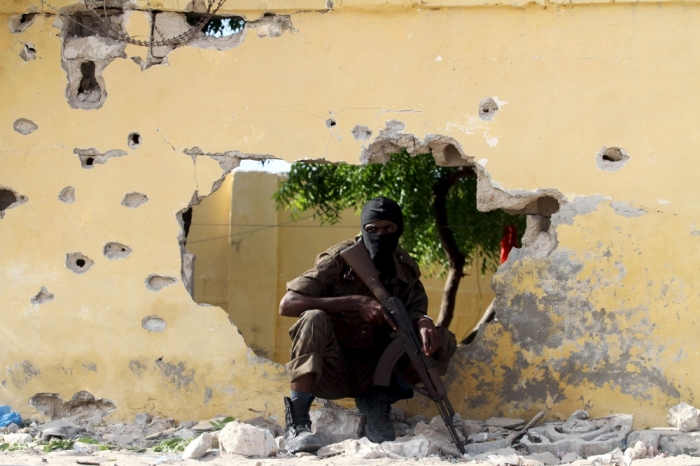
(158, 282)
(114, 251)
(19, 23)
(42, 296)
(90, 157)
(82, 407)
(67, 195)
(78, 262)
(24, 126)
(626, 210)
(361, 132)
(153, 324)
(134, 200)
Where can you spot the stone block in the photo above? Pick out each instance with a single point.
(333, 423)
(684, 417)
(198, 447)
(246, 440)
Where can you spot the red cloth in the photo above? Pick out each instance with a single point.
(509, 241)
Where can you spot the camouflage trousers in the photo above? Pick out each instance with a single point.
(342, 373)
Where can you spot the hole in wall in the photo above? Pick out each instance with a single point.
(19, 23)
(153, 323)
(89, 89)
(89, 161)
(218, 26)
(488, 109)
(90, 157)
(67, 195)
(330, 123)
(612, 158)
(134, 200)
(158, 282)
(43, 296)
(24, 126)
(361, 133)
(28, 52)
(78, 262)
(114, 251)
(10, 199)
(134, 140)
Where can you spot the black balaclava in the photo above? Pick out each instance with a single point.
(381, 247)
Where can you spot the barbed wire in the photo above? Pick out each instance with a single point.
(118, 35)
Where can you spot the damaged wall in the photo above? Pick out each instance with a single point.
(569, 83)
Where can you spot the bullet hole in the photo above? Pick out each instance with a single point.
(134, 140)
(67, 195)
(330, 123)
(361, 133)
(42, 297)
(20, 23)
(153, 324)
(158, 282)
(78, 262)
(547, 206)
(28, 52)
(91, 156)
(24, 126)
(487, 109)
(10, 199)
(134, 200)
(89, 89)
(612, 158)
(114, 251)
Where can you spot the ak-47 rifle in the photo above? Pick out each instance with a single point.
(405, 338)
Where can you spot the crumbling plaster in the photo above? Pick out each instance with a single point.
(565, 87)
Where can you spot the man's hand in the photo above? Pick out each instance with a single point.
(429, 335)
(369, 309)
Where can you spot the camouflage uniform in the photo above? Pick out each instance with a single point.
(341, 350)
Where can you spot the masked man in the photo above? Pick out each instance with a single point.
(339, 337)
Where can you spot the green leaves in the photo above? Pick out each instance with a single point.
(220, 424)
(172, 445)
(57, 444)
(329, 189)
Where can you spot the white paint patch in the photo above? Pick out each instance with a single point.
(492, 141)
(663, 202)
(499, 102)
(483, 162)
(439, 58)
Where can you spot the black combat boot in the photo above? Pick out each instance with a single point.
(297, 435)
(376, 406)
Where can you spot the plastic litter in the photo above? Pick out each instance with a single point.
(7, 416)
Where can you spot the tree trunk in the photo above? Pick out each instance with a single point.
(454, 256)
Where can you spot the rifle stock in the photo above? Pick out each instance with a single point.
(359, 260)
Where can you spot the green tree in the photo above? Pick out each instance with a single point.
(444, 231)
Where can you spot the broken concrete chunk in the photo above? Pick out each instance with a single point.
(504, 422)
(17, 438)
(413, 420)
(510, 460)
(681, 444)
(396, 415)
(78, 262)
(684, 417)
(333, 423)
(24, 126)
(83, 407)
(262, 423)
(650, 437)
(416, 448)
(143, 418)
(198, 447)
(480, 448)
(242, 439)
(545, 457)
(364, 449)
(569, 458)
(134, 200)
(480, 437)
(471, 427)
(438, 424)
(579, 415)
(637, 452)
(42, 296)
(158, 282)
(58, 429)
(67, 195)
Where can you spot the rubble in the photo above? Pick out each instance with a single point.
(333, 424)
(246, 440)
(684, 417)
(198, 447)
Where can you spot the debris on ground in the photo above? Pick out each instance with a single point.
(498, 441)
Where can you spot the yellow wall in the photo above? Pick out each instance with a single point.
(571, 79)
(264, 248)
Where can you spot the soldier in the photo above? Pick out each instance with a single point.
(339, 337)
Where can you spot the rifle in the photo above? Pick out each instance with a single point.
(405, 339)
